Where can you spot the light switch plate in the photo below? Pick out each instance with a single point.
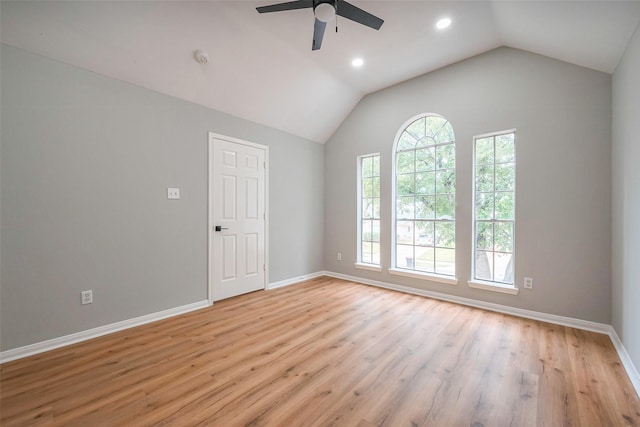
(173, 193)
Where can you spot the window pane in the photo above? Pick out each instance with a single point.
(484, 151)
(367, 167)
(417, 128)
(445, 156)
(425, 183)
(435, 125)
(425, 159)
(366, 230)
(484, 235)
(376, 207)
(405, 184)
(503, 268)
(425, 141)
(424, 259)
(367, 187)
(406, 142)
(446, 181)
(445, 261)
(446, 234)
(404, 208)
(375, 230)
(367, 208)
(505, 176)
(366, 252)
(504, 237)
(375, 187)
(445, 207)
(484, 265)
(484, 205)
(404, 233)
(425, 207)
(505, 148)
(424, 233)
(375, 253)
(445, 134)
(376, 166)
(405, 161)
(505, 205)
(484, 178)
(404, 256)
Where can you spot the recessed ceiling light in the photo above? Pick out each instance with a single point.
(357, 62)
(443, 23)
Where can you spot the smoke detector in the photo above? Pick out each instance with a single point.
(201, 56)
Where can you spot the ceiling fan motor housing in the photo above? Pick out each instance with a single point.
(325, 11)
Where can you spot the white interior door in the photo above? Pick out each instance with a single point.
(237, 208)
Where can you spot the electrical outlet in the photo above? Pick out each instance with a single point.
(339, 257)
(528, 283)
(87, 297)
(173, 193)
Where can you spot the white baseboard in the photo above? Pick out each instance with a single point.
(40, 347)
(602, 328)
(634, 376)
(297, 279)
(528, 314)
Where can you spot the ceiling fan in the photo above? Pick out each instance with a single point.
(325, 11)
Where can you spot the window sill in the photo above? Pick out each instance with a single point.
(370, 267)
(424, 276)
(492, 286)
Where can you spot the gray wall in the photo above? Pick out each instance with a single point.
(626, 199)
(86, 161)
(562, 114)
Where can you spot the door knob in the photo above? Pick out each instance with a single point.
(220, 228)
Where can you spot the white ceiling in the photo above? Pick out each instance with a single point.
(261, 65)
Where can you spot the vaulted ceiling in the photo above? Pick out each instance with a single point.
(261, 66)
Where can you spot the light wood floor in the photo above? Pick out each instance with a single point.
(327, 353)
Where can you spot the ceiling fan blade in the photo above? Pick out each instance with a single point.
(349, 11)
(290, 5)
(318, 34)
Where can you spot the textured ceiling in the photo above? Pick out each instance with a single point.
(261, 65)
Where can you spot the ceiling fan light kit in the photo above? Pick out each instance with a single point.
(325, 11)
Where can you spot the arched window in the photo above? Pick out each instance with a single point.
(424, 197)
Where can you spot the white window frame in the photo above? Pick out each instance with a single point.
(488, 285)
(394, 270)
(359, 263)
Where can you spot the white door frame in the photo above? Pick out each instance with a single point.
(210, 224)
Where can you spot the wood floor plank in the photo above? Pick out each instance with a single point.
(326, 352)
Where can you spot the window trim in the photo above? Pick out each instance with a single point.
(359, 263)
(489, 285)
(423, 275)
(493, 286)
(365, 266)
(394, 269)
